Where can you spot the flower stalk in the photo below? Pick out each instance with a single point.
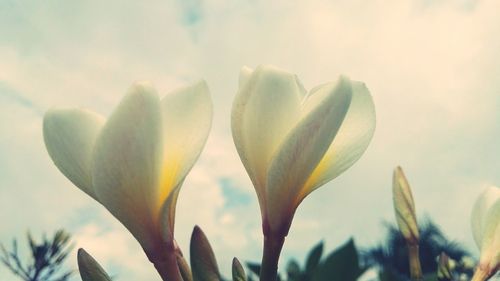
(167, 268)
(414, 260)
(272, 249)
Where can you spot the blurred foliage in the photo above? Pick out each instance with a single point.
(46, 258)
(391, 255)
(340, 265)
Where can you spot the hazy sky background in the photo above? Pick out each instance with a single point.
(432, 67)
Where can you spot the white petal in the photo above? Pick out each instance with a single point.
(490, 250)
(187, 118)
(350, 142)
(302, 89)
(264, 111)
(245, 74)
(127, 163)
(478, 217)
(495, 260)
(167, 214)
(69, 137)
(304, 147)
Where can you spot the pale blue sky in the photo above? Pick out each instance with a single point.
(432, 68)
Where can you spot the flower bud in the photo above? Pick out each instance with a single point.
(238, 271)
(203, 263)
(404, 207)
(444, 268)
(467, 262)
(90, 270)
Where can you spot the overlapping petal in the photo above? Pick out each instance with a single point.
(479, 212)
(304, 147)
(291, 143)
(351, 141)
(135, 163)
(69, 137)
(490, 248)
(127, 162)
(187, 118)
(485, 222)
(265, 109)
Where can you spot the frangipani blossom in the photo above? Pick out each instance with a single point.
(135, 162)
(485, 220)
(291, 142)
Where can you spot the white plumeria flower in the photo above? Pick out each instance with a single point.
(485, 220)
(291, 142)
(135, 162)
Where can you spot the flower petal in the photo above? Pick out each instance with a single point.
(187, 118)
(350, 142)
(265, 109)
(127, 163)
(245, 74)
(167, 214)
(69, 136)
(304, 147)
(478, 217)
(490, 250)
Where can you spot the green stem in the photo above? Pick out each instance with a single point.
(414, 259)
(272, 249)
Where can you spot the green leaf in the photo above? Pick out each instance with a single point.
(293, 270)
(203, 263)
(313, 258)
(387, 275)
(238, 271)
(340, 265)
(431, 277)
(254, 267)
